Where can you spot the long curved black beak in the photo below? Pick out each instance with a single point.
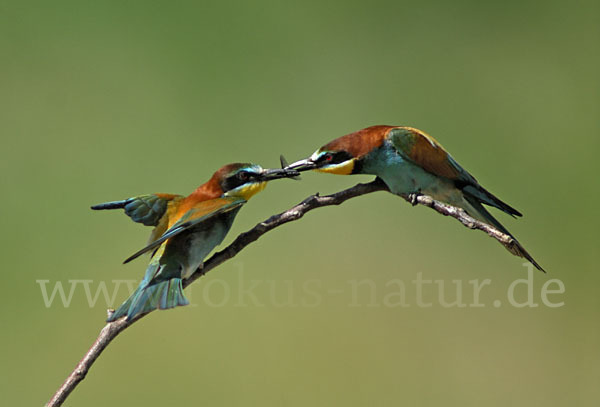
(302, 165)
(276, 173)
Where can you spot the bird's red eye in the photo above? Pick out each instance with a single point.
(328, 157)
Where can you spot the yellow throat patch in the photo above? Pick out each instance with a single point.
(344, 168)
(248, 191)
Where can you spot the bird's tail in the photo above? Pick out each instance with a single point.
(150, 296)
(482, 214)
(482, 195)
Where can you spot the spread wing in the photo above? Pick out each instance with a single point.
(145, 209)
(199, 213)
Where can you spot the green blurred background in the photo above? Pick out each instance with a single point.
(106, 100)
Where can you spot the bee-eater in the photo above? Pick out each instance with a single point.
(410, 162)
(186, 230)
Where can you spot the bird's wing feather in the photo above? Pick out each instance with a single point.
(146, 209)
(426, 152)
(199, 213)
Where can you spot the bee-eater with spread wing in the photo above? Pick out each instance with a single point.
(186, 230)
(410, 162)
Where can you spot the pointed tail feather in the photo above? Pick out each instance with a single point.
(483, 195)
(122, 310)
(148, 297)
(482, 214)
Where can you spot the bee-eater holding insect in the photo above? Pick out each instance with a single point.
(410, 162)
(186, 230)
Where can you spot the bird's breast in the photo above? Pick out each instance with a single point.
(402, 176)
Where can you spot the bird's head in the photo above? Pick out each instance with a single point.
(244, 180)
(343, 155)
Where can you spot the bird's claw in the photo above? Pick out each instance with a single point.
(413, 197)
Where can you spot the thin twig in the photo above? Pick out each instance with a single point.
(112, 329)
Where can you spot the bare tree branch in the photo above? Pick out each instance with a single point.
(112, 329)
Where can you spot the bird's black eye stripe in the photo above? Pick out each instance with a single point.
(236, 180)
(334, 158)
(325, 158)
